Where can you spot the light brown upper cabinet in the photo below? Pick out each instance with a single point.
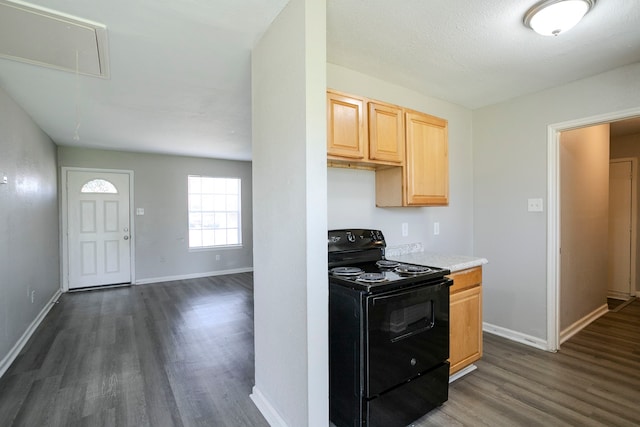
(346, 127)
(386, 133)
(427, 162)
(361, 133)
(407, 149)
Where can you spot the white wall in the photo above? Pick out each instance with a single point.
(510, 165)
(584, 213)
(351, 193)
(160, 187)
(290, 241)
(29, 251)
(629, 146)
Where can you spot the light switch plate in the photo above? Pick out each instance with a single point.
(4, 179)
(534, 205)
(139, 211)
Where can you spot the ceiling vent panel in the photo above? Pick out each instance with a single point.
(44, 37)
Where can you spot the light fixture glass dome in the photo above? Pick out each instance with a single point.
(552, 17)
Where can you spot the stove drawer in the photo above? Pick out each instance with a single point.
(407, 334)
(405, 404)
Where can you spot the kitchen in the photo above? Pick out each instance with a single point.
(485, 216)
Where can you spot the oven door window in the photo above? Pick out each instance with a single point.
(407, 334)
(402, 321)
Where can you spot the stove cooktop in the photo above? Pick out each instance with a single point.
(384, 275)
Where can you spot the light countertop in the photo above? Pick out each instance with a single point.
(435, 259)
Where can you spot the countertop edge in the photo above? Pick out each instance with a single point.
(451, 262)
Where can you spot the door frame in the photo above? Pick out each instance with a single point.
(64, 231)
(553, 213)
(634, 217)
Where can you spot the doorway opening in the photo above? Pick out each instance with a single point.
(553, 214)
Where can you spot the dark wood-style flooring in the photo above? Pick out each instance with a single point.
(181, 354)
(594, 380)
(166, 354)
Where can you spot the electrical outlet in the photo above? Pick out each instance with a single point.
(33, 296)
(534, 205)
(405, 229)
(436, 228)
(217, 257)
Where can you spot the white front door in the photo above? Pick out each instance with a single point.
(98, 228)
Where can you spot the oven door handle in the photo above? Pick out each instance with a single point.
(412, 333)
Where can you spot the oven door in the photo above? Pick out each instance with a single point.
(407, 334)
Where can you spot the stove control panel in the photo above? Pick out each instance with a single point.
(355, 239)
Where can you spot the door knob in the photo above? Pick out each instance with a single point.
(126, 237)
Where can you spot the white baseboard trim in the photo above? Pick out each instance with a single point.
(193, 276)
(582, 323)
(462, 372)
(516, 336)
(13, 353)
(268, 411)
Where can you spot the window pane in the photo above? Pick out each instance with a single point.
(232, 237)
(208, 222)
(208, 203)
(99, 186)
(219, 186)
(232, 220)
(232, 203)
(219, 203)
(220, 237)
(208, 238)
(221, 220)
(208, 185)
(233, 186)
(214, 211)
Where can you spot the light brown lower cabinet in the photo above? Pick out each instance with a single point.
(465, 319)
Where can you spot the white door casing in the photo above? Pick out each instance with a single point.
(621, 229)
(97, 228)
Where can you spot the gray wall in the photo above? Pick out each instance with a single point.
(584, 222)
(290, 187)
(351, 193)
(29, 251)
(510, 165)
(629, 146)
(160, 187)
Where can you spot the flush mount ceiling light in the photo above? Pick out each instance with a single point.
(552, 17)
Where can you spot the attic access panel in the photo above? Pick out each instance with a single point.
(44, 37)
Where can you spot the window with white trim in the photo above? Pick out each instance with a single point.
(214, 212)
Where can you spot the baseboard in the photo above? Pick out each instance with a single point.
(516, 336)
(193, 275)
(580, 324)
(462, 372)
(13, 353)
(266, 409)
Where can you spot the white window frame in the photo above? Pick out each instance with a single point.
(213, 199)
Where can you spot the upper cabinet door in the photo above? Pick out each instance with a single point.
(427, 162)
(386, 133)
(346, 130)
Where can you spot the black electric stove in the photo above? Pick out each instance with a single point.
(388, 334)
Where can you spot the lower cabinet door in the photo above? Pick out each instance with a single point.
(465, 328)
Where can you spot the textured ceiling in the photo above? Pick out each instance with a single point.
(477, 53)
(180, 69)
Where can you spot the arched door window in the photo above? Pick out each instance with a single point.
(99, 185)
